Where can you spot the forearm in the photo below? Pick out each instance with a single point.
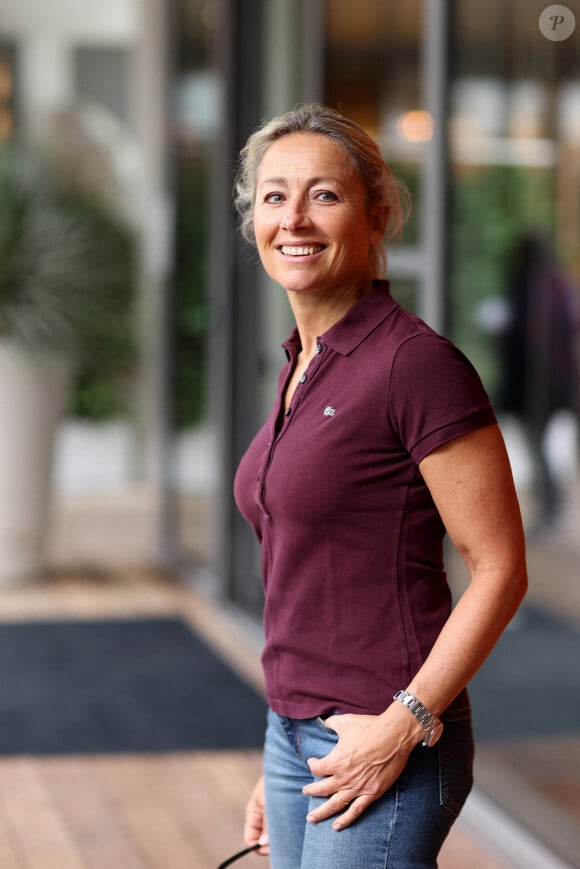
(471, 484)
(373, 750)
(469, 635)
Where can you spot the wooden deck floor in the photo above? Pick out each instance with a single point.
(181, 811)
(163, 811)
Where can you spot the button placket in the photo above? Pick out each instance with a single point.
(265, 464)
(308, 375)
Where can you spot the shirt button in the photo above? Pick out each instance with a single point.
(303, 379)
(319, 348)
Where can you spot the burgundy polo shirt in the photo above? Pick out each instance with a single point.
(351, 542)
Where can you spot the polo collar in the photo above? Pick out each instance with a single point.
(356, 325)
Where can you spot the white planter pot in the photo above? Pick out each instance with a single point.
(34, 388)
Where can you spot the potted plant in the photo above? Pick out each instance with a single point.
(67, 277)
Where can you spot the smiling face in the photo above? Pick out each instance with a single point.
(312, 222)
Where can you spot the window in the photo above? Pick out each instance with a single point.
(7, 91)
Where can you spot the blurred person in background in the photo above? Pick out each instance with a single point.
(540, 364)
(381, 438)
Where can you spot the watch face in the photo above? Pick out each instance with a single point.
(433, 735)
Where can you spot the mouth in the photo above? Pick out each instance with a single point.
(301, 250)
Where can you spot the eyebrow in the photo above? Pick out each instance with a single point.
(316, 180)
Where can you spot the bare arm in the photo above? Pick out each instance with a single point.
(471, 484)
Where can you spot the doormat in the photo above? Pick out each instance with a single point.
(529, 685)
(147, 685)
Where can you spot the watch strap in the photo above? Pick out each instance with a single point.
(426, 719)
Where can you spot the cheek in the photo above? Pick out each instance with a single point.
(354, 230)
(356, 244)
(263, 232)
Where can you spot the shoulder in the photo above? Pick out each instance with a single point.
(433, 392)
(410, 342)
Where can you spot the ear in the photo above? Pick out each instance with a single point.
(378, 220)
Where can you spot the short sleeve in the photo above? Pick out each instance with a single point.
(435, 394)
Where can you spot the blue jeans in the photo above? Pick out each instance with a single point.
(404, 829)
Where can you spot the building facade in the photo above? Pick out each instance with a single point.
(475, 106)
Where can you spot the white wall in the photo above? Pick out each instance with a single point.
(81, 20)
(46, 33)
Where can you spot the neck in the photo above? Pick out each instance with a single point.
(315, 313)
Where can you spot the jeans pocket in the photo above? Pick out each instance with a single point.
(456, 751)
(322, 725)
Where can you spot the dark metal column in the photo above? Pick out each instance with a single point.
(234, 293)
(435, 167)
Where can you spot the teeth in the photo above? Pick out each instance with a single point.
(300, 251)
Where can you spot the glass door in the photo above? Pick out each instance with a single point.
(373, 74)
(514, 269)
(197, 125)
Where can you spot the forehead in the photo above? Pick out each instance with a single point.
(306, 154)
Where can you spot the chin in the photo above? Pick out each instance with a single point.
(302, 286)
(295, 282)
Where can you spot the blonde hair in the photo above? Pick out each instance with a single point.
(379, 182)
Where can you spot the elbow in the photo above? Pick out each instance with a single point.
(518, 584)
(520, 587)
(523, 583)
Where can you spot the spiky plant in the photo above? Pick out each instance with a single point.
(67, 266)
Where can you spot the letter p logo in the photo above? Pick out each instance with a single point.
(557, 23)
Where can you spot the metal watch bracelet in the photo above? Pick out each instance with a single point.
(432, 725)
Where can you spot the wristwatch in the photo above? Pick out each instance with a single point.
(432, 726)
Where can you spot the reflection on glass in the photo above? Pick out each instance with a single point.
(514, 141)
(197, 107)
(6, 95)
(373, 77)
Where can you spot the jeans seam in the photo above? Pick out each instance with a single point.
(393, 822)
(291, 733)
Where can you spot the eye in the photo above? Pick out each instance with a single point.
(273, 198)
(326, 196)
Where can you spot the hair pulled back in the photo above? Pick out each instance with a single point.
(380, 184)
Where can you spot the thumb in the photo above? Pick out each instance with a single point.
(318, 766)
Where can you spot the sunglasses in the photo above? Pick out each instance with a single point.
(239, 855)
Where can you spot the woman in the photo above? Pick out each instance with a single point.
(381, 438)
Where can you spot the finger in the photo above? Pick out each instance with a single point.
(256, 832)
(337, 803)
(354, 811)
(324, 787)
(253, 826)
(255, 815)
(323, 766)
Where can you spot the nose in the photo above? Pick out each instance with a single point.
(295, 214)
